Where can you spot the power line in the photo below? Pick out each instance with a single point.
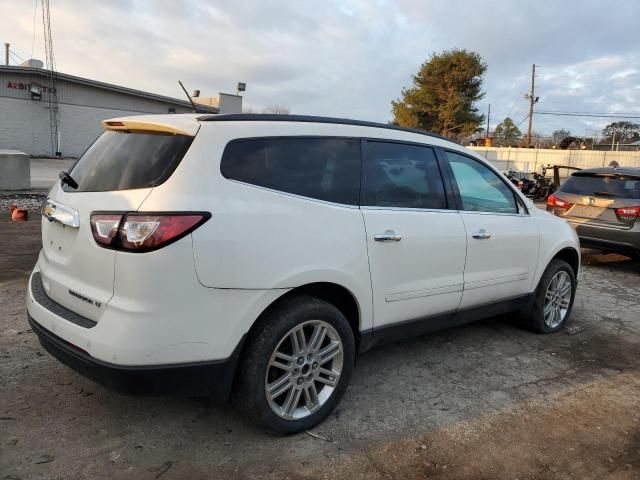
(517, 99)
(13, 57)
(522, 121)
(596, 115)
(593, 113)
(16, 55)
(33, 40)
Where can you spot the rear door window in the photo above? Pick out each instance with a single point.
(603, 185)
(125, 161)
(320, 168)
(402, 176)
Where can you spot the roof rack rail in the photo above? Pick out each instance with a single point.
(274, 117)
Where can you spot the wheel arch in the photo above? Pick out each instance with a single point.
(571, 256)
(338, 295)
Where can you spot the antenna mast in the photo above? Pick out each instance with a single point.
(52, 93)
(195, 109)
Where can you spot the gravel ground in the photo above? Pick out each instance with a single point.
(486, 400)
(28, 201)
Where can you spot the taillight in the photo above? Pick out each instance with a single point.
(628, 213)
(143, 232)
(105, 227)
(555, 202)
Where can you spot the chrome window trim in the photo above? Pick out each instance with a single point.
(502, 214)
(409, 209)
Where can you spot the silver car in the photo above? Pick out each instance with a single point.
(603, 205)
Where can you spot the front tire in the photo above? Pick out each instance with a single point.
(296, 365)
(553, 299)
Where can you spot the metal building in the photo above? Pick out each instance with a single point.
(78, 104)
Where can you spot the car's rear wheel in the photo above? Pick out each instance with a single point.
(296, 364)
(553, 300)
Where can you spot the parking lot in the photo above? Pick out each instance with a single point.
(487, 400)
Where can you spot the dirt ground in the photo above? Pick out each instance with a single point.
(483, 401)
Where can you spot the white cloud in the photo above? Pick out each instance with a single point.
(346, 58)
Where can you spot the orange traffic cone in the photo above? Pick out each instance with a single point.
(18, 214)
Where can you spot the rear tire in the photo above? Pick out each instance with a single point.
(296, 365)
(553, 299)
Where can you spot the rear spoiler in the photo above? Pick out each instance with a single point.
(143, 126)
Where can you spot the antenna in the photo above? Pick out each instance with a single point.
(195, 109)
(54, 131)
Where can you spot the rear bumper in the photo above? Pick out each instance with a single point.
(609, 239)
(610, 246)
(211, 379)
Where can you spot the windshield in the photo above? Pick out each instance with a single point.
(124, 161)
(603, 185)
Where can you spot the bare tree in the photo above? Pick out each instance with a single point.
(559, 135)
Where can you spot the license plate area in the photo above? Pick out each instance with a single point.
(585, 211)
(57, 240)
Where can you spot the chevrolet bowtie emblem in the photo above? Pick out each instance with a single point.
(48, 210)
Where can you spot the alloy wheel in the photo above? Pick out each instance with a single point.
(557, 299)
(304, 370)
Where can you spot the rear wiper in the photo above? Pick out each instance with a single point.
(68, 179)
(604, 194)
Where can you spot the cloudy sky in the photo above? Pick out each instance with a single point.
(348, 58)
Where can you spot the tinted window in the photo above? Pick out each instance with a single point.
(619, 186)
(323, 168)
(123, 161)
(481, 190)
(399, 175)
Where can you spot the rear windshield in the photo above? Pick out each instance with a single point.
(603, 185)
(124, 161)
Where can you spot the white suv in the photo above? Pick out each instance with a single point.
(260, 253)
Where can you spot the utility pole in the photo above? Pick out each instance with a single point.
(6, 54)
(613, 139)
(488, 117)
(532, 101)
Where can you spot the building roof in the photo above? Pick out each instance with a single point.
(41, 72)
(272, 117)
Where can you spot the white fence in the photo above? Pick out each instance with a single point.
(532, 159)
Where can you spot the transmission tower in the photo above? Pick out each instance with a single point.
(51, 78)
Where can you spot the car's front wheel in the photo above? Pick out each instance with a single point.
(296, 364)
(553, 299)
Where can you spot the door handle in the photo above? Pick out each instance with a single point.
(388, 236)
(481, 234)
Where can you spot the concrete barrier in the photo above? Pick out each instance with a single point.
(15, 170)
(532, 159)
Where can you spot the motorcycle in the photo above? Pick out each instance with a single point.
(541, 186)
(520, 180)
(534, 185)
